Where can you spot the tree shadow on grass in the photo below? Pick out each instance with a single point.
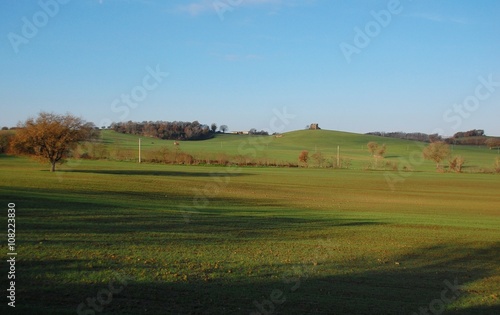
(161, 173)
(57, 282)
(7, 156)
(291, 289)
(53, 212)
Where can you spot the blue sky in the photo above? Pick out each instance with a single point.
(356, 66)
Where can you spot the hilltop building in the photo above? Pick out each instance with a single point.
(314, 127)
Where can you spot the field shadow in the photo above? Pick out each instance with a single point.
(159, 173)
(104, 213)
(8, 156)
(54, 281)
(292, 289)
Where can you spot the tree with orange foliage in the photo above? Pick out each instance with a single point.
(50, 137)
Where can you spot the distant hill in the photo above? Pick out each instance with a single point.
(287, 147)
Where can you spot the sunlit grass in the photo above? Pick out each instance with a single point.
(216, 240)
(353, 147)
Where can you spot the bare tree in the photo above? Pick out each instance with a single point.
(437, 151)
(223, 128)
(213, 127)
(51, 137)
(375, 149)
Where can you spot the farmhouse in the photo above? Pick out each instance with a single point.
(314, 126)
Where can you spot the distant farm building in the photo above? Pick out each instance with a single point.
(239, 132)
(314, 127)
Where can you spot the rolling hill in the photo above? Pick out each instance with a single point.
(352, 147)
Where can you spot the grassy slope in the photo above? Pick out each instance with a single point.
(339, 241)
(288, 148)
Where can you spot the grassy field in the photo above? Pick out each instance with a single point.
(109, 237)
(352, 146)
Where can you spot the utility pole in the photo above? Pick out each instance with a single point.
(139, 150)
(338, 156)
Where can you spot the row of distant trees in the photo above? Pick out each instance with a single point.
(415, 136)
(471, 137)
(255, 132)
(176, 130)
(474, 137)
(470, 133)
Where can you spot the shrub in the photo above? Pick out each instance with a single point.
(318, 158)
(304, 157)
(345, 163)
(223, 159)
(376, 150)
(456, 164)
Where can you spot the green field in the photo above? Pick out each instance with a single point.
(173, 239)
(353, 147)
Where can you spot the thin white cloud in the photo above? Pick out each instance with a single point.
(199, 7)
(196, 8)
(439, 18)
(238, 57)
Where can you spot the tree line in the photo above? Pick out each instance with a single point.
(176, 130)
(474, 137)
(470, 137)
(415, 136)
